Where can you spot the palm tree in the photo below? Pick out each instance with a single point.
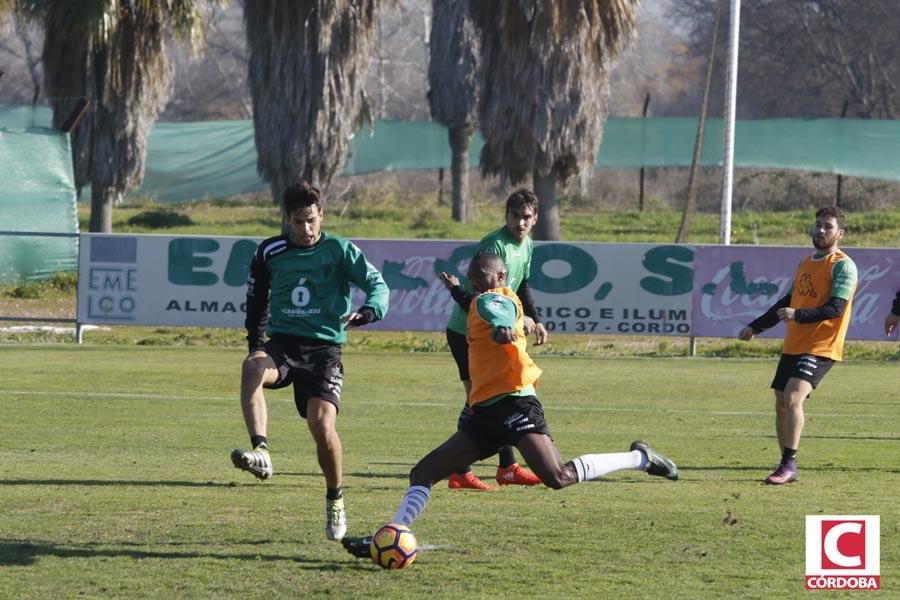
(113, 53)
(544, 89)
(453, 70)
(306, 72)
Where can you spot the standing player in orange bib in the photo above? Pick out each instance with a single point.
(817, 312)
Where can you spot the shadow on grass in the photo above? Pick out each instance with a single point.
(361, 474)
(376, 474)
(115, 482)
(25, 553)
(883, 438)
(803, 468)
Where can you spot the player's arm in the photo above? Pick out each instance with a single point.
(765, 321)
(500, 312)
(524, 294)
(770, 318)
(257, 301)
(832, 309)
(843, 282)
(369, 279)
(460, 295)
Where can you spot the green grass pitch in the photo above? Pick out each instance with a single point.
(115, 480)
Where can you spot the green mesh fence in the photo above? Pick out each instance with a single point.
(217, 159)
(37, 194)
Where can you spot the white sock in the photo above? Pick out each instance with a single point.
(412, 505)
(593, 466)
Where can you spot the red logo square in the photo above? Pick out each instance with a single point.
(843, 552)
(843, 544)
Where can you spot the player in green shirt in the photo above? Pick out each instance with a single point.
(298, 293)
(511, 243)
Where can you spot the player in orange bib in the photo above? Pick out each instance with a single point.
(505, 409)
(817, 311)
(512, 243)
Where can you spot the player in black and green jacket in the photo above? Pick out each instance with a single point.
(893, 317)
(298, 293)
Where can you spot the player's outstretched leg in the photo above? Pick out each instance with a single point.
(358, 546)
(256, 461)
(657, 464)
(411, 506)
(335, 519)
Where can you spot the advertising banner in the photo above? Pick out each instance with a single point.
(735, 284)
(199, 282)
(592, 288)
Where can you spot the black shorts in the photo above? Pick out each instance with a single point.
(807, 367)
(312, 366)
(459, 348)
(504, 423)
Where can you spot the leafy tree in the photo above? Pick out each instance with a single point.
(544, 89)
(308, 60)
(807, 59)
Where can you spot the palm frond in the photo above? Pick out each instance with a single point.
(545, 82)
(454, 65)
(306, 71)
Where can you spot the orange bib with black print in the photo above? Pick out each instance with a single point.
(812, 288)
(497, 369)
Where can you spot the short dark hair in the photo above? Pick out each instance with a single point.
(832, 211)
(489, 261)
(521, 198)
(300, 195)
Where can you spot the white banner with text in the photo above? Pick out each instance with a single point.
(591, 288)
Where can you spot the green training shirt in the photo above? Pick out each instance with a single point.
(517, 257)
(307, 290)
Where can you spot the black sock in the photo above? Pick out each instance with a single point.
(334, 493)
(788, 454)
(507, 457)
(464, 471)
(259, 440)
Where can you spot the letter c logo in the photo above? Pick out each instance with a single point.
(830, 545)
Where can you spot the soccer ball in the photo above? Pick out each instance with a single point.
(393, 547)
